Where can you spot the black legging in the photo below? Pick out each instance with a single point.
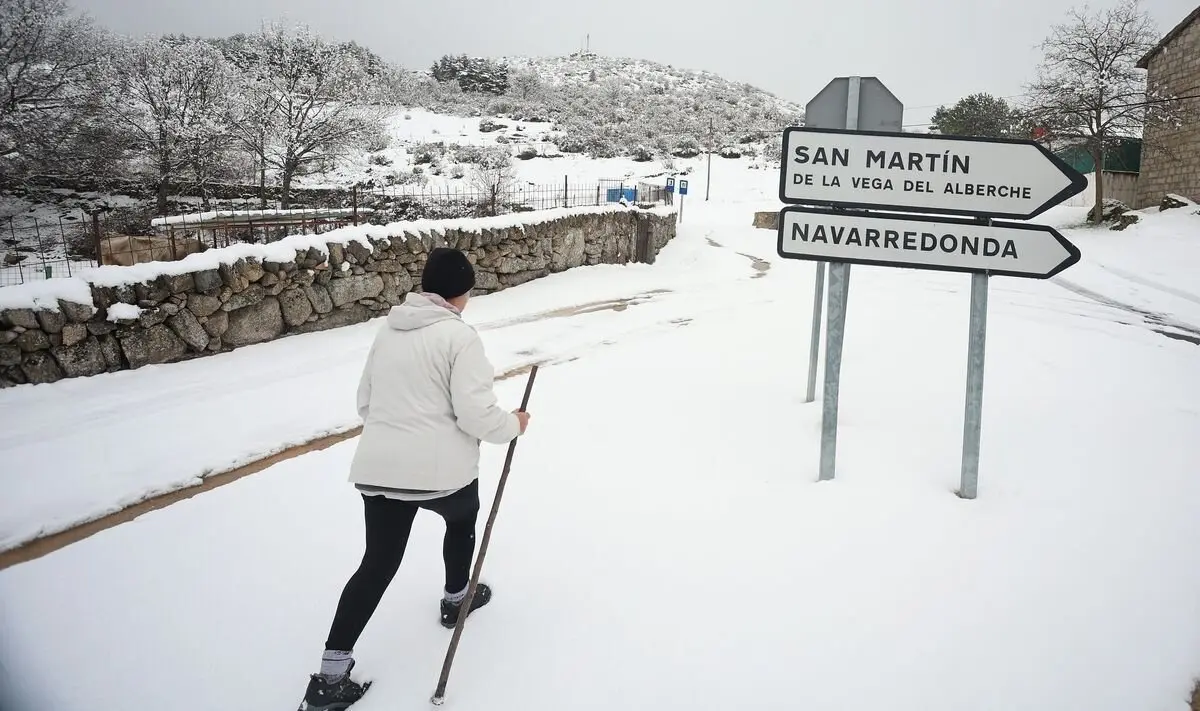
(388, 524)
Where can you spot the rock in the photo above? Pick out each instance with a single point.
(359, 252)
(208, 281)
(74, 333)
(268, 279)
(324, 277)
(337, 255)
(110, 348)
(272, 267)
(304, 277)
(1125, 220)
(319, 298)
(52, 321)
(99, 328)
(179, 283)
(230, 272)
(277, 289)
(353, 288)
(185, 325)
(12, 376)
(256, 323)
(1171, 202)
(151, 317)
(566, 250)
(7, 337)
(76, 313)
(1112, 209)
(203, 305)
(10, 355)
(125, 294)
(41, 368)
(157, 344)
(486, 280)
(170, 308)
(81, 360)
(252, 295)
(34, 340)
(217, 324)
(25, 318)
(153, 293)
(295, 306)
(311, 258)
(766, 220)
(354, 313)
(389, 265)
(252, 271)
(214, 345)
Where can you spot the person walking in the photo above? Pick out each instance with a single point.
(427, 401)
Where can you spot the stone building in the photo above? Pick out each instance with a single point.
(1174, 63)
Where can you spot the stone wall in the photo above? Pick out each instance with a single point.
(116, 318)
(1177, 168)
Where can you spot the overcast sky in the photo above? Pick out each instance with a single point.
(928, 53)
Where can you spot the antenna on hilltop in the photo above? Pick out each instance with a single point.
(587, 45)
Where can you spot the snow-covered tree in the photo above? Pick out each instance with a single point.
(525, 85)
(1089, 91)
(980, 115)
(306, 101)
(493, 175)
(170, 93)
(47, 81)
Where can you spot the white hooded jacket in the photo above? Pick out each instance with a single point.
(427, 401)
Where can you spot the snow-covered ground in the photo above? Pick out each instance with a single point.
(663, 543)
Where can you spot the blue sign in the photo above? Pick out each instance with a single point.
(670, 185)
(615, 194)
(683, 187)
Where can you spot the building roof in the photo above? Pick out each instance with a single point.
(1144, 62)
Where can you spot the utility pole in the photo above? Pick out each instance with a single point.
(708, 180)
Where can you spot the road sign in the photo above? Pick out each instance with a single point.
(953, 175)
(876, 108)
(683, 187)
(670, 185)
(919, 242)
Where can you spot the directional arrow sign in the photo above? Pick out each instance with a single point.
(917, 242)
(954, 175)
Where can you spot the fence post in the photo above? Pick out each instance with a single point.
(96, 237)
(566, 199)
(354, 203)
(62, 234)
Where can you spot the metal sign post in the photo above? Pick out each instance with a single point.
(837, 179)
(683, 190)
(844, 103)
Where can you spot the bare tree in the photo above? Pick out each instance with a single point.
(1089, 91)
(307, 102)
(170, 92)
(47, 67)
(493, 175)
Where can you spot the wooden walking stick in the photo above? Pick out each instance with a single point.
(439, 696)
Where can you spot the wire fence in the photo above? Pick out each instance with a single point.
(43, 248)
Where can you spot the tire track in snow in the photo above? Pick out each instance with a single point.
(1159, 323)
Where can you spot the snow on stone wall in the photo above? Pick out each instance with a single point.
(116, 318)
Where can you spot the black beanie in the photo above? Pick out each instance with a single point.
(448, 273)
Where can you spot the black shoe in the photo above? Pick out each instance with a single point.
(450, 610)
(332, 696)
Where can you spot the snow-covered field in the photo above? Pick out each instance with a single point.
(663, 543)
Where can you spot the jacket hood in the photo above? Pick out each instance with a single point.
(417, 311)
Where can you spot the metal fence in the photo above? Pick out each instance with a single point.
(43, 248)
(36, 249)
